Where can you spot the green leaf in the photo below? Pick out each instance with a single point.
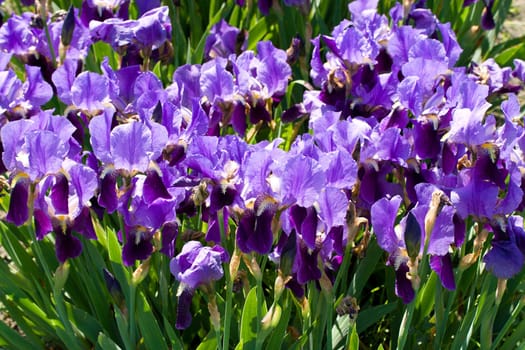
(14, 339)
(426, 297)
(353, 342)
(365, 268)
(86, 324)
(506, 56)
(209, 343)
(249, 321)
(172, 335)
(122, 325)
(370, 316)
(151, 333)
(105, 343)
(340, 330)
(257, 33)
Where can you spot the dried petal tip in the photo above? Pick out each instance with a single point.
(348, 306)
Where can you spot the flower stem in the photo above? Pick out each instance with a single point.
(131, 309)
(227, 310)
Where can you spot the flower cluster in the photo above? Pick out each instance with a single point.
(398, 136)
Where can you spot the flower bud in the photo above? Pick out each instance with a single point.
(500, 289)
(141, 272)
(61, 275)
(279, 285)
(326, 284)
(272, 317)
(68, 27)
(235, 261)
(254, 268)
(215, 316)
(412, 236)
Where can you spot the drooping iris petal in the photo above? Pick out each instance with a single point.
(504, 259)
(66, 245)
(222, 196)
(18, 212)
(442, 265)
(107, 197)
(138, 246)
(59, 195)
(305, 222)
(84, 225)
(43, 223)
(254, 232)
(305, 264)
(154, 187)
(184, 309)
(507, 254)
(131, 146)
(169, 234)
(403, 286)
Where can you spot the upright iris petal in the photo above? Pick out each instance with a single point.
(131, 146)
(90, 91)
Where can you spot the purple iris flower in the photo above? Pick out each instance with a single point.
(151, 30)
(46, 142)
(194, 266)
(129, 147)
(23, 99)
(18, 36)
(507, 253)
(223, 41)
(149, 205)
(62, 206)
(101, 10)
(405, 242)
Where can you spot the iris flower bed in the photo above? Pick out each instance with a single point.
(261, 175)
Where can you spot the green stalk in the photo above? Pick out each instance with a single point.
(405, 325)
(229, 290)
(43, 15)
(227, 310)
(514, 316)
(344, 267)
(260, 299)
(487, 325)
(330, 297)
(131, 309)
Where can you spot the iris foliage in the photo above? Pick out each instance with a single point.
(275, 174)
